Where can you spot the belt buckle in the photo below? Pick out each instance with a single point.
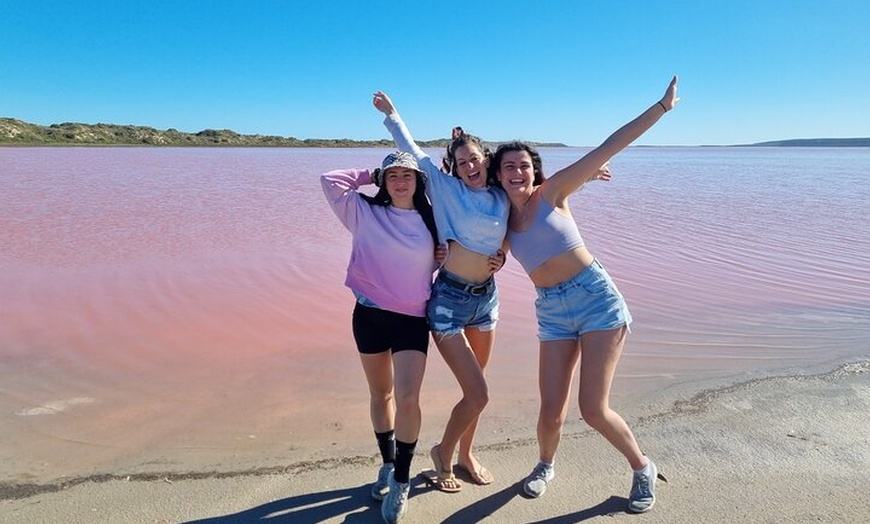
(477, 290)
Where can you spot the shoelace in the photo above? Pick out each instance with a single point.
(540, 472)
(642, 485)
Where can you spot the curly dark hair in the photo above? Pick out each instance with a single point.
(537, 165)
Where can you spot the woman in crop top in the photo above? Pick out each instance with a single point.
(390, 273)
(471, 215)
(579, 309)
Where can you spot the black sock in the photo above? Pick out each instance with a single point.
(404, 455)
(387, 445)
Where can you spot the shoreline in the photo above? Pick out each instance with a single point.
(687, 411)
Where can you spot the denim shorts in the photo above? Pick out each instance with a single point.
(456, 303)
(587, 302)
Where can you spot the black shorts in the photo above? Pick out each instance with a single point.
(377, 330)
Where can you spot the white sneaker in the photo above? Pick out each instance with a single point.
(536, 483)
(382, 485)
(643, 489)
(396, 501)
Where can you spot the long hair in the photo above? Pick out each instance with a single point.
(421, 204)
(461, 138)
(537, 165)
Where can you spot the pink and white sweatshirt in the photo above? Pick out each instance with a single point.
(392, 256)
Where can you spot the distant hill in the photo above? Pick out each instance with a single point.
(815, 142)
(16, 132)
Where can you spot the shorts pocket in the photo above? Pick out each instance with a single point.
(598, 284)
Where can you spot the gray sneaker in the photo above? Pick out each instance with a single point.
(396, 501)
(382, 485)
(643, 488)
(536, 483)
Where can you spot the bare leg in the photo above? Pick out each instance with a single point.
(482, 343)
(463, 363)
(409, 369)
(601, 351)
(557, 362)
(379, 375)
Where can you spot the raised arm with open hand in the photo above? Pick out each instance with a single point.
(569, 179)
(670, 98)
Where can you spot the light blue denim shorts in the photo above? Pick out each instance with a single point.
(587, 302)
(456, 303)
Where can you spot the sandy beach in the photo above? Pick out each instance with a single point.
(777, 449)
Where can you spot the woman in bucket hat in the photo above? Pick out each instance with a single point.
(390, 273)
(471, 214)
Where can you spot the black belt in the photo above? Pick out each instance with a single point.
(473, 289)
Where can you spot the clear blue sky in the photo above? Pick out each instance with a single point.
(569, 71)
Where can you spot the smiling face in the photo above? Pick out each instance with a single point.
(471, 164)
(401, 182)
(516, 172)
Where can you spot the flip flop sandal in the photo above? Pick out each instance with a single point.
(444, 479)
(449, 484)
(481, 477)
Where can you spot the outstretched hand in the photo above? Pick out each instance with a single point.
(670, 99)
(603, 173)
(383, 103)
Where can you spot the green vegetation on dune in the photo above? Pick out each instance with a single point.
(16, 132)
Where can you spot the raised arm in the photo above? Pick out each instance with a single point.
(383, 103)
(341, 190)
(566, 181)
(401, 136)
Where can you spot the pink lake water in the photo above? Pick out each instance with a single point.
(177, 310)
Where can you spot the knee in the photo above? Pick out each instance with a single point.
(478, 399)
(407, 402)
(595, 415)
(551, 420)
(381, 397)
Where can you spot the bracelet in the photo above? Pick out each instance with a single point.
(663, 106)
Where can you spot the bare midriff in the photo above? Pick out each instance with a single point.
(466, 264)
(562, 267)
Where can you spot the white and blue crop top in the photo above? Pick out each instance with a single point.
(476, 218)
(551, 234)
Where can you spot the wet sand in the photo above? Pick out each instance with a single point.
(776, 449)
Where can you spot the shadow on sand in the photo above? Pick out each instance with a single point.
(488, 506)
(357, 507)
(612, 506)
(355, 504)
